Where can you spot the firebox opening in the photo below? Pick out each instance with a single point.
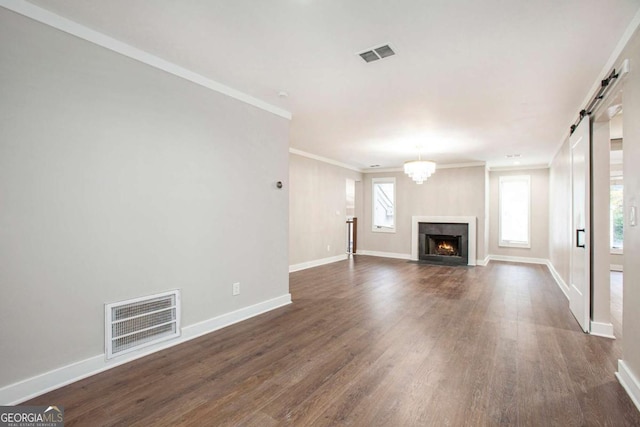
(444, 245)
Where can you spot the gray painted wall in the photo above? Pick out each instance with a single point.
(118, 180)
(539, 214)
(631, 130)
(317, 210)
(450, 192)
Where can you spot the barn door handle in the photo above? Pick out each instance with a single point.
(578, 240)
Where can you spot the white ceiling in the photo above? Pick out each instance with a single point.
(473, 80)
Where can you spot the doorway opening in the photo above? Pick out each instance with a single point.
(616, 217)
(352, 220)
(607, 211)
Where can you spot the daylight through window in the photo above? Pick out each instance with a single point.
(384, 204)
(515, 211)
(616, 217)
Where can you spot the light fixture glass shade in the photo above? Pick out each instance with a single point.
(419, 170)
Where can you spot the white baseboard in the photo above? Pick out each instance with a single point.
(384, 254)
(554, 273)
(616, 267)
(317, 262)
(521, 259)
(21, 391)
(602, 329)
(629, 382)
(483, 262)
(561, 283)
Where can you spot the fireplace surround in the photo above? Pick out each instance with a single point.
(470, 221)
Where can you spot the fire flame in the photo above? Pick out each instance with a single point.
(445, 246)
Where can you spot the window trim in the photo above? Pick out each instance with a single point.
(510, 243)
(387, 180)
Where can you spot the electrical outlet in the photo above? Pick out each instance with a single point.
(328, 248)
(236, 288)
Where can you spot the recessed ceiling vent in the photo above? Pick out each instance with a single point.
(377, 53)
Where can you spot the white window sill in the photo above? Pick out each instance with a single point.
(514, 245)
(383, 230)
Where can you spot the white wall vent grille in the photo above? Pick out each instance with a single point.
(140, 322)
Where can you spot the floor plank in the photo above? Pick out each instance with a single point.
(373, 341)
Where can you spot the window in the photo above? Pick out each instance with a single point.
(515, 198)
(616, 217)
(384, 205)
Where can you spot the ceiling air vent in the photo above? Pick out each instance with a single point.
(377, 53)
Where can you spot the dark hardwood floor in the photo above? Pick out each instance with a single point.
(377, 342)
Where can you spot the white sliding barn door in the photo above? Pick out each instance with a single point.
(580, 288)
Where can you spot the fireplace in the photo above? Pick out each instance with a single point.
(467, 245)
(443, 243)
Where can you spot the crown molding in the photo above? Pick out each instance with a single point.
(615, 55)
(323, 159)
(460, 165)
(68, 26)
(382, 170)
(377, 170)
(613, 58)
(517, 168)
(438, 167)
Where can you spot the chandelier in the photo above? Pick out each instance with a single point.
(419, 170)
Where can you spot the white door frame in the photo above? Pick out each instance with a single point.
(610, 105)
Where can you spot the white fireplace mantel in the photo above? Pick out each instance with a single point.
(470, 220)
